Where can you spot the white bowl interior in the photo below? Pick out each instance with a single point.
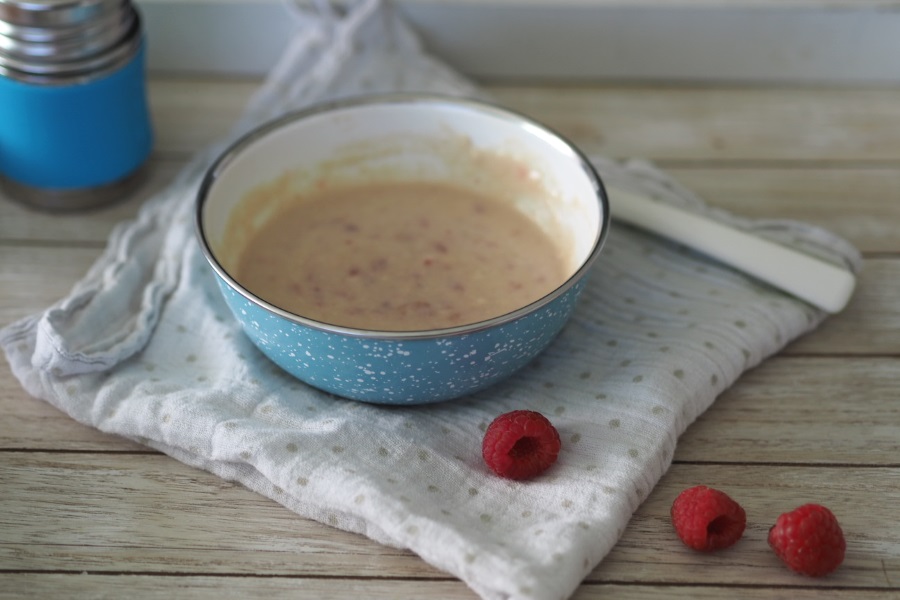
(472, 145)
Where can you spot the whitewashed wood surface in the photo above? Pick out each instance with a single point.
(88, 515)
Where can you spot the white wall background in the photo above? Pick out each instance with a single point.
(798, 41)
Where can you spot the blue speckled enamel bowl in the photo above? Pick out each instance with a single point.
(396, 138)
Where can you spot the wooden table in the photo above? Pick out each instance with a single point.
(86, 515)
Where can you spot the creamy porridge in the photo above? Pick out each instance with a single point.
(401, 256)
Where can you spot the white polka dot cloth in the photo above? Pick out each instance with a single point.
(144, 347)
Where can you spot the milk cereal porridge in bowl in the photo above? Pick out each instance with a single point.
(401, 249)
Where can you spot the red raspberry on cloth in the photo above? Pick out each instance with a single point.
(706, 519)
(520, 444)
(809, 540)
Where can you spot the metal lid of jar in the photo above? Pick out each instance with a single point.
(54, 13)
(64, 44)
(51, 70)
(82, 29)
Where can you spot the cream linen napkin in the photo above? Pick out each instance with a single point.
(144, 347)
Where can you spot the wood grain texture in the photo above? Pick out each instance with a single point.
(850, 202)
(849, 404)
(182, 129)
(663, 123)
(871, 322)
(24, 225)
(174, 516)
(192, 587)
(84, 514)
(848, 408)
(34, 277)
(719, 124)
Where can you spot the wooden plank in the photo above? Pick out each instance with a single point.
(35, 277)
(803, 410)
(660, 122)
(21, 224)
(863, 499)
(189, 114)
(788, 410)
(149, 513)
(78, 587)
(32, 424)
(141, 513)
(144, 514)
(850, 202)
(668, 123)
(862, 205)
(871, 322)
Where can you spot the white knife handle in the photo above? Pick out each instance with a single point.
(811, 279)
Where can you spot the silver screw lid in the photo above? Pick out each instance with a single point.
(54, 13)
(69, 43)
(90, 37)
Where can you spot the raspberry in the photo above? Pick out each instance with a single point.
(809, 540)
(520, 444)
(706, 519)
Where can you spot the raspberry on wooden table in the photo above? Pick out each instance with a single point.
(706, 519)
(520, 444)
(809, 540)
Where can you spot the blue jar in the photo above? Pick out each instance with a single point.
(74, 122)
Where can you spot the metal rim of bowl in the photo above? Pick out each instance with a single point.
(232, 151)
(70, 72)
(54, 13)
(88, 41)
